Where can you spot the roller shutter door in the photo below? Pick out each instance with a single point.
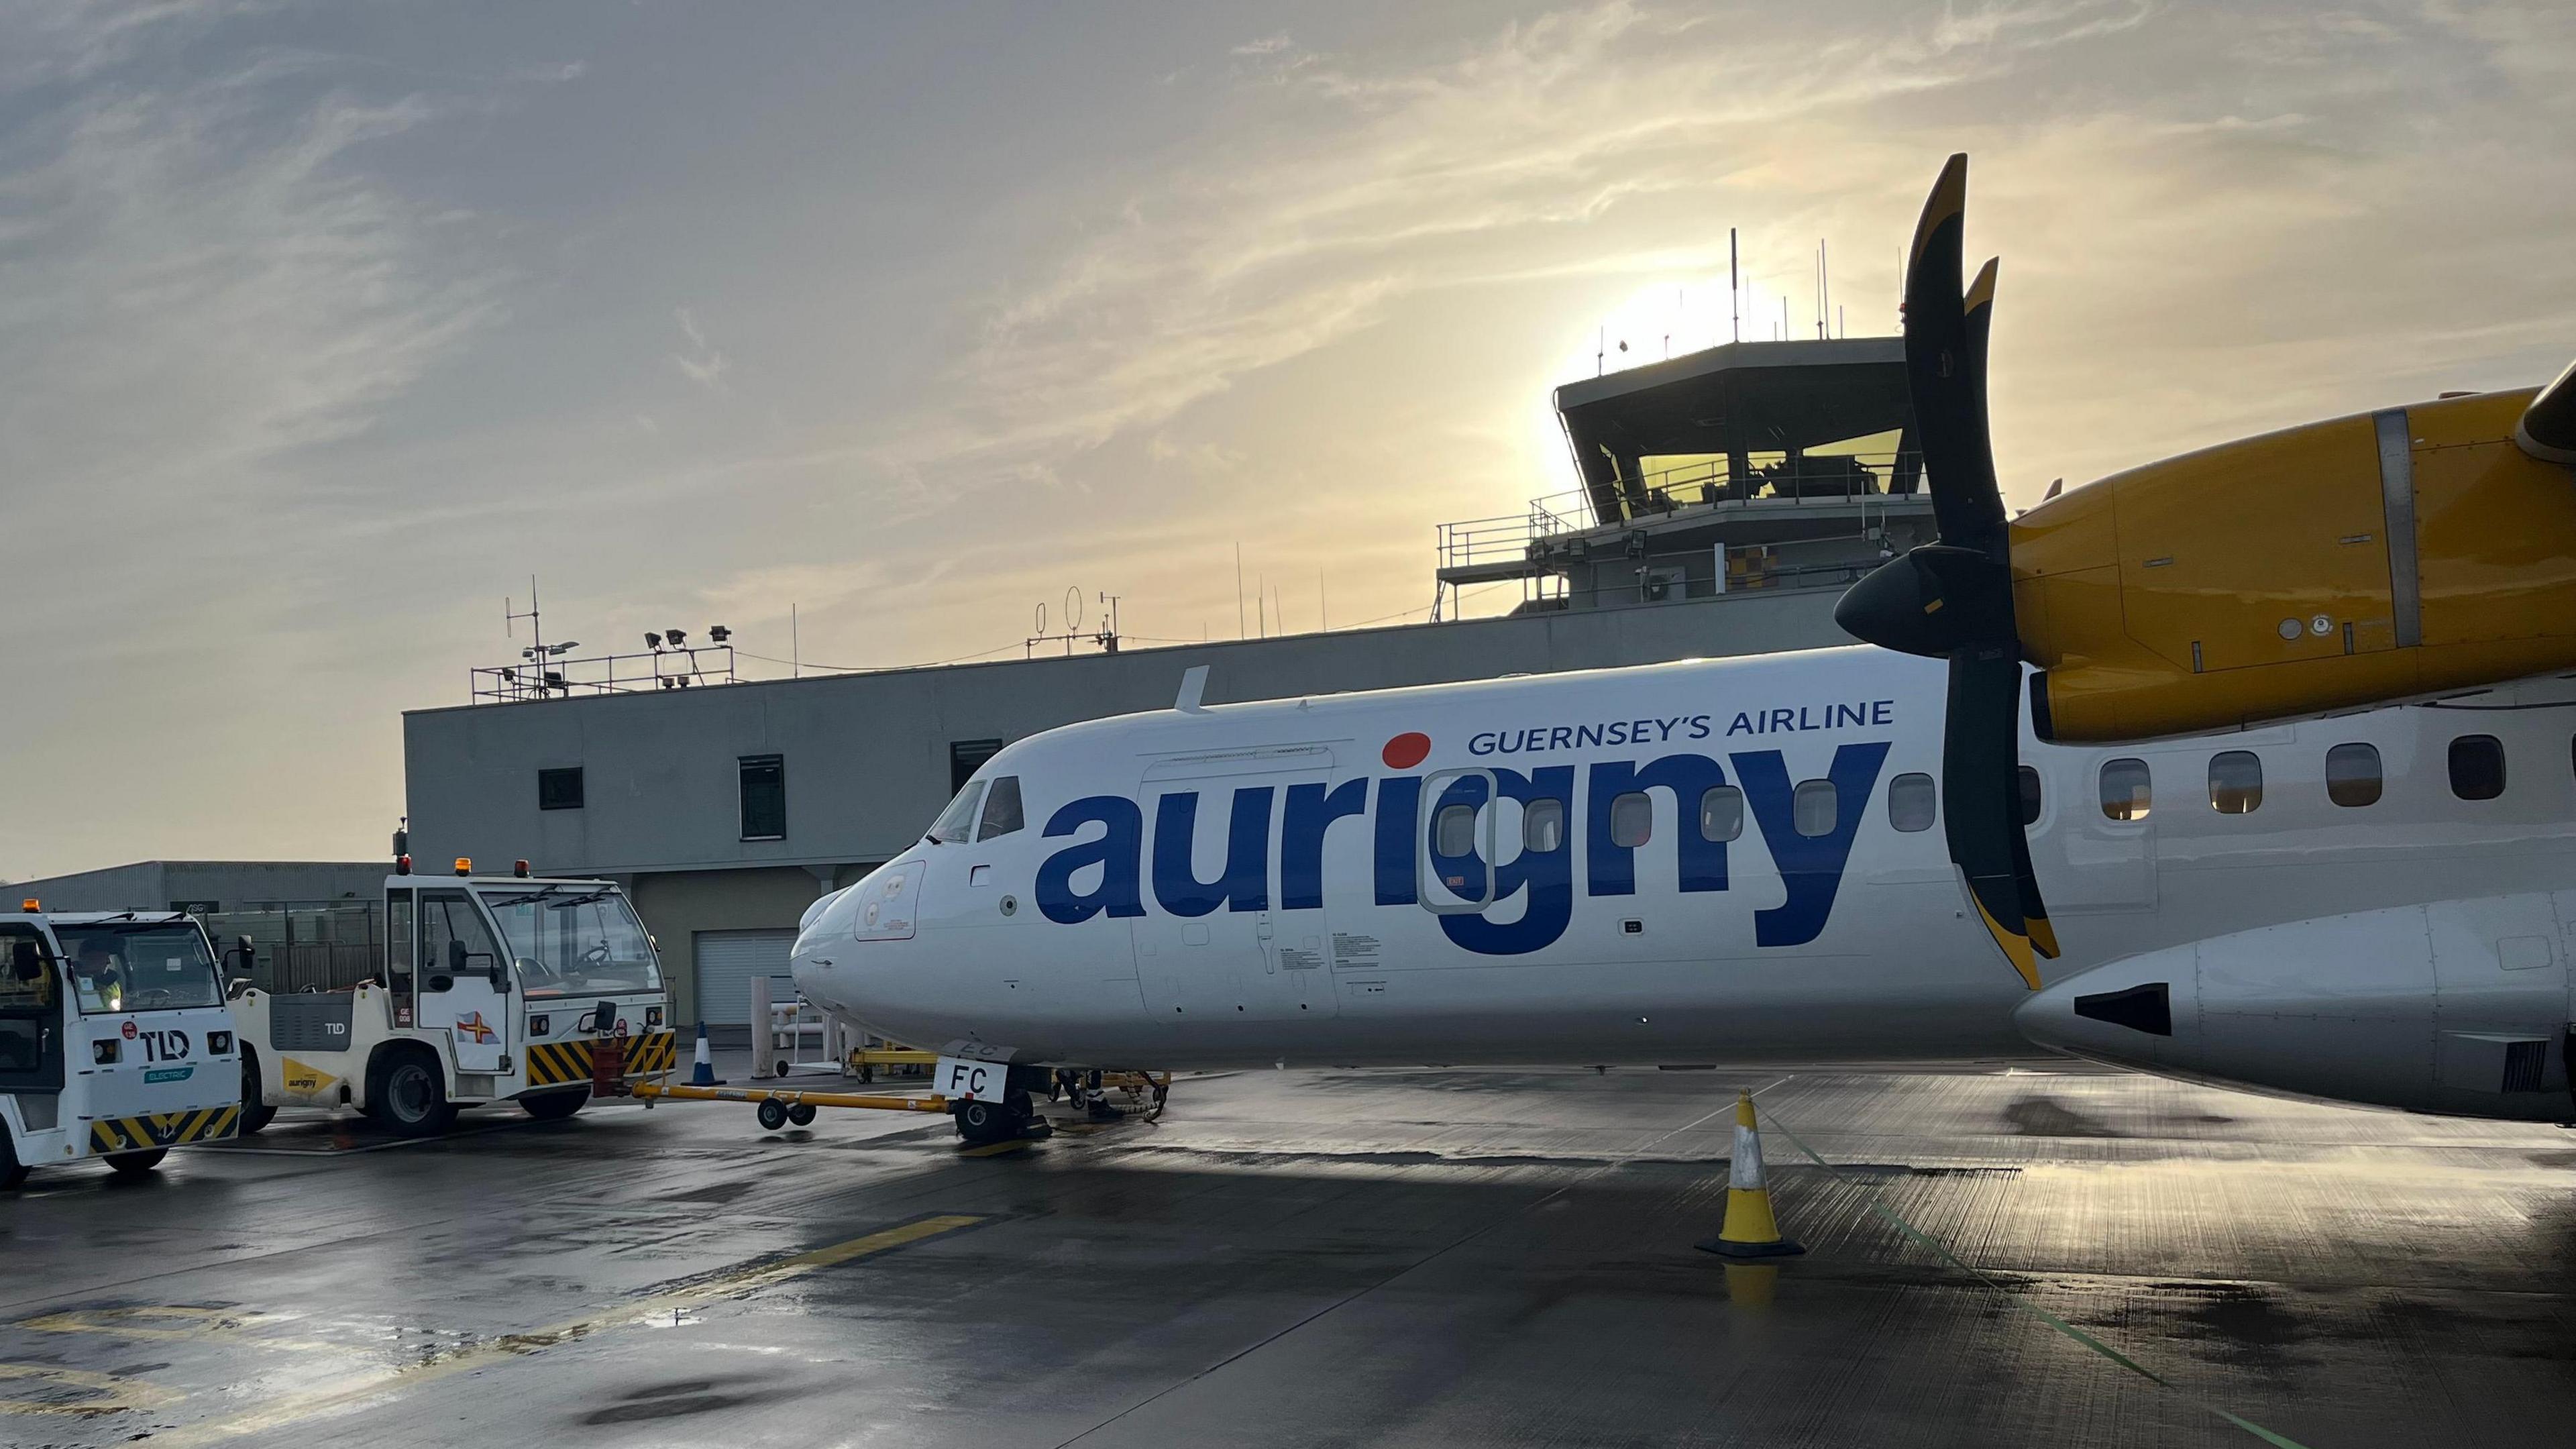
(726, 962)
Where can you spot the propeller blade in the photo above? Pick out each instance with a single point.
(1981, 795)
(1949, 400)
(2034, 911)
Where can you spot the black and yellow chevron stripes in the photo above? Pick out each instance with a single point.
(554, 1063)
(162, 1129)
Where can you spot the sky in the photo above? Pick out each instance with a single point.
(325, 326)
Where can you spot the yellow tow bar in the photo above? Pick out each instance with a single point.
(780, 1106)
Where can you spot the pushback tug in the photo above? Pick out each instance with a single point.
(483, 989)
(115, 1042)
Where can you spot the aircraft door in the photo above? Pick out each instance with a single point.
(1216, 942)
(2100, 827)
(1456, 848)
(31, 1012)
(465, 981)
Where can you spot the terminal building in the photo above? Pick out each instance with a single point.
(1728, 498)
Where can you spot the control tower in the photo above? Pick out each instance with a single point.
(1772, 466)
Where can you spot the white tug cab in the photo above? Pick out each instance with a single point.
(115, 1042)
(485, 989)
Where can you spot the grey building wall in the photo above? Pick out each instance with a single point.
(867, 755)
(227, 884)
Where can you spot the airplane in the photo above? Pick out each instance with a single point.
(2265, 873)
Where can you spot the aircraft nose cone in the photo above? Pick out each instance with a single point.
(2141, 1012)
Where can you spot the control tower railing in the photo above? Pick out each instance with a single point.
(1514, 545)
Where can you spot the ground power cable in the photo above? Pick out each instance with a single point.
(1879, 1205)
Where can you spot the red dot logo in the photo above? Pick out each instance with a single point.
(128, 1031)
(1407, 750)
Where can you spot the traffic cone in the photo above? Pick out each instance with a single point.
(703, 1074)
(1750, 1230)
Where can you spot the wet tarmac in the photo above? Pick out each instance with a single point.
(1997, 1256)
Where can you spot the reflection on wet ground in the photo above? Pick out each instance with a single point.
(1444, 1257)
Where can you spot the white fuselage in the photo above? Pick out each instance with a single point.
(1257, 883)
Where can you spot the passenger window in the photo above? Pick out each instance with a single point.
(1911, 800)
(2127, 791)
(2235, 782)
(1542, 826)
(1632, 820)
(2352, 774)
(1453, 833)
(2477, 767)
(1721, 814)
(2029, 796)
(1001, 808)
(1813, 806)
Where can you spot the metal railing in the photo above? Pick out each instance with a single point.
(688, 667)
(1674, 492)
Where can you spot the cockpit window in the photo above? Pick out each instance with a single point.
(956, 824)
(1001, 808)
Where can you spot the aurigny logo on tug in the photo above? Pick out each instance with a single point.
(1810, 866)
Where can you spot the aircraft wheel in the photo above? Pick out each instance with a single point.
(773, 1114)
(131, 1165)
(983, 1122)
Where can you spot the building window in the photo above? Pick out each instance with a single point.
(559, 789)
(2235, 782)
(2128, 791)
(1632, 820)
(1721, 814)
(764, 797)
(1813, 807)
(965, 757)
(1911, 802)
(1001, 808)
(2352, 774)
(2029, 796)
(2477, 767)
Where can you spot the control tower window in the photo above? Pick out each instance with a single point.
(2477, 767)
(2128, 791)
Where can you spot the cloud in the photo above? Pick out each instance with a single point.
(702, 363)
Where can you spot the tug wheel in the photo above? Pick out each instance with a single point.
(12, 1171)
(132, 1165)
(802, 1114)
(255, 1111)
(407, 1097)
(555, 1106)
(773, 1114)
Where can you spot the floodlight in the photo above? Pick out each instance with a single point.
(653, 642)
(719, 633)
(678, 637)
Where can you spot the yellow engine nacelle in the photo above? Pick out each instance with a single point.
(2341, 564)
